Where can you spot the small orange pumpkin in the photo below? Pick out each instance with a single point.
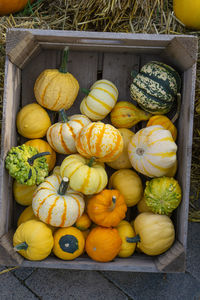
(165, 122)
(107, 208)
(9, 7)
(103, 244)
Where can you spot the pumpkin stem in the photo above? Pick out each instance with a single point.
(134, 73)
(63, 67)
(91, 161)
(22, 246)
(85, 91)
(63, 115)
(134, 239)
(175, 117)
(63, 186)
(31, 159)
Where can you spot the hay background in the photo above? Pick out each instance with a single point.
(136, 16)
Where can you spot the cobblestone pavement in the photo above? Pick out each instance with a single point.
(30, 283)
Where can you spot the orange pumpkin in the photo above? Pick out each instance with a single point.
(99, 140)
(107, 208)
(103, 244)
(9, 7)
(165, 122)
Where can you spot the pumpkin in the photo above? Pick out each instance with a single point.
(155, 233)
(10, 7)
(99, 140)
(162, 195)
(55, 204)
(125, 115)
(164, 122)
(23, 193)
(155, 87)
(123, 162)
(103, 244)
(172, 171)
(83, 223)
(56, 170)
(107, 208)
(129, 184)
(33, 121)
(61, 136)
(43, 146)
(56, 89)
(188, 12)
(26, 215)
(142, 206)
(100, 100)
(127, 234)
(86, 175)
(69, 243)
(152, 151)
(33, 240)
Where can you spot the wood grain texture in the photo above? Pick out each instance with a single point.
(8, 256)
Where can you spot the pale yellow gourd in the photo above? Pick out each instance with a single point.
(23, 193)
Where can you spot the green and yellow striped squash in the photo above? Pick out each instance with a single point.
(100, 100)
(55, 204)
(155, 87)
(152, 151)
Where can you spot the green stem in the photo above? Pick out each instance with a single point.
(134, 239)
(63, 67)
(63, 186)
(22, 246)
(134, 73)
(85, 91)
(63, 116)
(175, 117)
(91, 161)
(31, 159)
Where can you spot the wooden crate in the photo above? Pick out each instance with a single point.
(93, 56)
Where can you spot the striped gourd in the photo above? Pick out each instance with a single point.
(165, 122)
(152, 151)
(100, 100)
(55, 204)
(61, 136)
(99, 140)
(155, 87)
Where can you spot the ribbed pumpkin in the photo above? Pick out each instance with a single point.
(61, 136)
(152, 151)
(103, 244)
(23, 193)
(100, 100)
(127, 235)
(10, 7)
(107, 208)
(56, 205)
(56, 89)
(188, 12)
(86, 175)
(165, 122)
(155, 87)
(99, 140)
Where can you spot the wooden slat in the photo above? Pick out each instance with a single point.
(8, 256)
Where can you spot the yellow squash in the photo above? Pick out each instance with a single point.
(127, 234)
(188, 12)
(165, 122)
(26, 215)
(83, 223)
(23, 193)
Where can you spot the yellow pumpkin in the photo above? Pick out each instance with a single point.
(26, 215)
(43, 146)
(10, 7)
(56, 170)
(33, 240)
(165, 122)
(33, 121)
(83, 223)
(188, 12)
(69, 243)
(56, 89)
(100, 100)
(152, 151)
(99, 140)
(142, 206)
(61, 136)
(55, 204)
(123, 162)
(125, 115)
(129, 184)
(86, 176)
(127, 234)
(23, 193)
(107, 208)
(155, 233)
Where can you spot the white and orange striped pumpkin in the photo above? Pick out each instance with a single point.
(86, 175)
(152, 151)
(55, 204)
(99, 140)
(100, 100)
(61, 136)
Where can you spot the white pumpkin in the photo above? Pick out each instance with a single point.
(55, 205)
(152, 151)
(61, 136)
(100, 100)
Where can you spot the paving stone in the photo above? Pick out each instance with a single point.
(64, 284)
(12, 289)
(23, 273)
(152, 286)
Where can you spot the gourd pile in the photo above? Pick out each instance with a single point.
(76, 206)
